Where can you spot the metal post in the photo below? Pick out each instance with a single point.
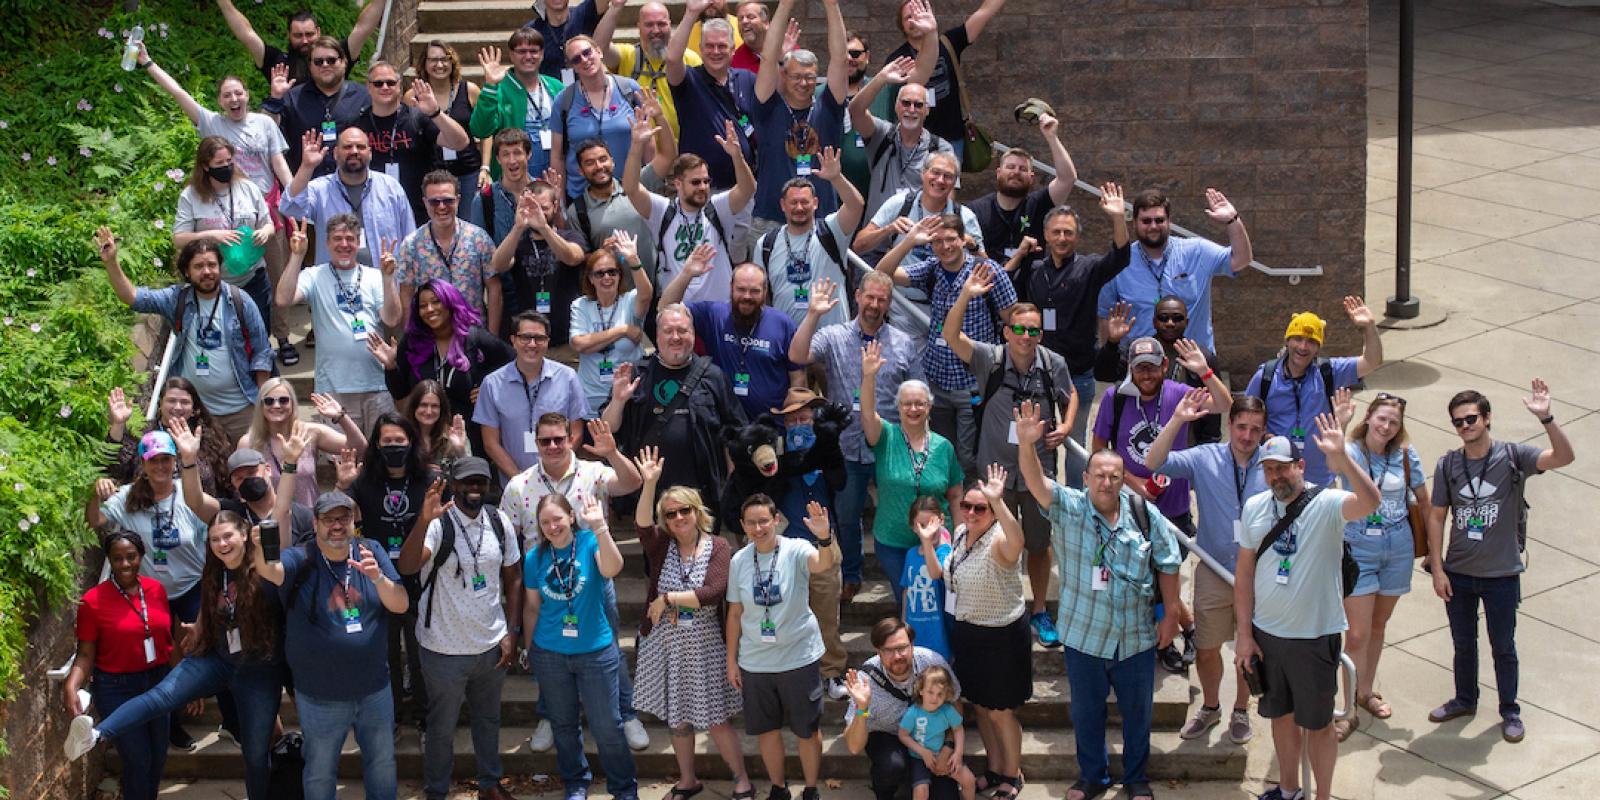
(1402, 305)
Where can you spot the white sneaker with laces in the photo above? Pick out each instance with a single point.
(81, 737)
(836, 688)
(633, 730)
(543, 737)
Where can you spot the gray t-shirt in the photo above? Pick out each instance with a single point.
(606, 217)
(1299, 580)
(775, 589)
(255, 139)
(885, 709)
(997, 439)
(174, 538)
(797, 263)
(1485, 491)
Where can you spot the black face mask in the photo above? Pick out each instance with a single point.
(252, 489)
(222, 174)
(394, 455)
(469, 504)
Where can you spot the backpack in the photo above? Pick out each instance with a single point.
(1456, 459)
(830, 245)
(997, 379)
(286, 779)
(1269, 370)
(238, 311)
(447, 548)
(1140, 509)
(1349, 570)
(673, 210)
(486, 202)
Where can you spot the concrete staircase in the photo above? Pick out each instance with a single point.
(468, 25)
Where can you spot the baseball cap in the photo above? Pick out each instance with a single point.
(470, 467)
(1306, 324)
(1279, 448)
(798, 398)
(157, 443)
(329, 501)
(245, 457)
(1146, 350)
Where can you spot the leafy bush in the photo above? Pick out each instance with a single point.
(82, 144)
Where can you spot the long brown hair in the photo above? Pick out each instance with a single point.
(198, 181)
(1359, 433)
(214, 445)
(258, 630)
(435, 441)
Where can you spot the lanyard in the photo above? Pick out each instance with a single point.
(1138, 405)
(348, 570)
(605, 322)
(164, 518)
(229, 214)
(963, 548)
(228, 598)
(209, 326)
(349, 297)
(355, 207)
(447, 258)
(799, 256)
(917, 466)
(1382, 473)
(1102, 535)
(538, 103)
(143, 609)
(1238, 479)
(532, 393)
(555, 488)
(567, 581)
(474, 546)
(1473, 487)
(686, 566)
(772, 572)
(1158, 271)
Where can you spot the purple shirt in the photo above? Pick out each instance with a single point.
(1141, 423)
(761, 353)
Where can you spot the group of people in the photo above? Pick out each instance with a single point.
(516, 348)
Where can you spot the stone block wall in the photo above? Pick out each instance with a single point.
(1263, 99)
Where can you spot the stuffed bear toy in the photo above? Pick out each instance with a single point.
(763, 462)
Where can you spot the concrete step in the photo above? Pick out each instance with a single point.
(1047, 755)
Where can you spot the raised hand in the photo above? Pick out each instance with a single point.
(1191, 357)
(729, 142)
(994, 487)
(348, 466)
(626, 246)
(311, 150)
(791, 35)
(493, 70)
(860, 688)
(695, 8)
(979, 281)
(1218, 208)
(830, 169)
(1030, 427)
(603, 444)
(530, 214)
(700, 261)
(871, 358)
(921, 23)
(457, 435)
(295, 443)
(384, 351)
(279, 83)
(899, 70)
(118, 411)
(1026, 247)
(368, 564)
(106, 243)
(187, 441)
(1048, 125)
(644, 129)
(1356, 309)
(386, 260)
(817, 520)
(422, 93)
(928, 531)
(1344, 406)
(433, 505)
(1111, 201)
(554, 176)
(1120, 323)
(1538, 404)
(650, 105)
(623, 384)
(649, 463)
(1329, 436)
(593, 515)
(297, 236)
(923, 231)
(1192, 406)
(327, 405)
(823, 297)
(104, 488)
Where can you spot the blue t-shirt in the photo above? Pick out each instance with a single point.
(336, 633)
(1185, 271)
(582, 122)
(581, 19)
(774, 589)
(1220, 489)
(1388, 472)
(791, 141)
(703, 107)
(761, 354)
(924, 600)
(928, 727)
(1295, 404)
(570, 585)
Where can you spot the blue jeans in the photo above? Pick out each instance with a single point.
(892, 560)
(1083, 384)
(256, 690)
(591, 677)
(477, 680)
(624, 678)
(259, 289)
(143, 747)
(186, 608)
(325, 723)
(1091, 680)
(850, 504)
(1500, 597)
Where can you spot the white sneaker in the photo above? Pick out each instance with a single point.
(633, 730)
(836, 688)
(543, 737)
(81, 737)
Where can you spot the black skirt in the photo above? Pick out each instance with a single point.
(994, 665)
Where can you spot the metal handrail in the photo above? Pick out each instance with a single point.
(1294, 274)
(383, 31)
(161, 377)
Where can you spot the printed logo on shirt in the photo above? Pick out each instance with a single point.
(391, 140)
(922, 595)
(1140, 436)
(562, 581)
(752, 341)
(1485, 508)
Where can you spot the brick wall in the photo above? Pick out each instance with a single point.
(402, 27)
(1263, 99)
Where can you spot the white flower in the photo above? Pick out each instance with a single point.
(116, 88)
(4, 124)
(50, 161)
(174, 174)
(27, 156)
(85, 152)
(32, 272)
(24, 524)
(159, 185)
(66, 411)
(8, 321)
(18, 486)
(85, 105)
(35, 327)
(161, 224)
(157, 261)
(33, 518)
(105, 136)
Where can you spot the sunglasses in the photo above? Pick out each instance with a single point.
(1462, 422)
(584, 54)
(269, 402)
(442, 202)
(1023, 330)
(674, 513)
(1171, 317)
(551, 441)
(976, 508)
(326, 61)
(856, 53)
(383, 83)
(1400, 401)
(1152, 220)
(604, 273)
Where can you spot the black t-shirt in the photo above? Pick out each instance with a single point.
(466, 162)
(536, 269)
(1003, 230)
(944, 119)
(302, 527)
(306, 108)
(390, 508)
(1071, 292)
(407, 140)
(299, 65)
(227, 613)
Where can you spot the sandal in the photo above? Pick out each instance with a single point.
(1342, 728)
(1375, 706)
(748, 794)
(1009, 788)
(989, 781)
(1086, 791)
(685, 794)
(1138, 789)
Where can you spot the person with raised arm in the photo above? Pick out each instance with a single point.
(526, 102)
(712, 96)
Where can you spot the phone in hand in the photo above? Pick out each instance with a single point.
(1255, 678)
(270, 540)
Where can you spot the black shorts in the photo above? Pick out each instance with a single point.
(1301, 676)
(774, 700)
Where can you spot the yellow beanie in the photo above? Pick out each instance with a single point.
(1306, 324)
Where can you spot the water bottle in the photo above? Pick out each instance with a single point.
(130, 52)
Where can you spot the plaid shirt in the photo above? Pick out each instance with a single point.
(1117, 622)
(943, 367)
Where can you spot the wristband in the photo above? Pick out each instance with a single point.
(289, 469)
(863, 712)
(438, 111)
(1231, 221)
(825, 544)
(339, 419)
(187, 466)
(148, 64)
(636, 266)
(1210, 373)
(1547, 419)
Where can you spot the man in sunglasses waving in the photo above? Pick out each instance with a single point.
(1008, 374)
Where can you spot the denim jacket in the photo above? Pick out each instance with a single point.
(165, 302)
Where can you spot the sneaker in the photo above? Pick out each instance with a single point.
(577, 792)
(1203, 720)
(1239, 730)
(543, 737)
(225, 735)
(810, 793)
(1188, 647)
(780, 792)
(81, 737)
(1171, 659)
(287, 353)
(1044, 629)
(181, 740)
(311, 339)
(1450, 710)
(633, 730)
(1277, 793)
(836, 688)
(1511, 728)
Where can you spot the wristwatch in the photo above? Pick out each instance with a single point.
(824, 543)
(1547, 419)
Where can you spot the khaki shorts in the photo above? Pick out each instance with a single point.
(1213, 609)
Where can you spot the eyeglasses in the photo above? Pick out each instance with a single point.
(1400, 401)
(269, 402)
(438, 59)
(1023, 330)
(442, 202)
(326, 61)
(1462, 422)
(1171, 317)
(856, 53)
(914, 404)
(604, 273)
(528, 51)
(383, 83)
(674, 513)
(699, 181)
(942, 175)
(551, 441)
(584, 54)
(976, 508)
(530, 338)
(913, 103)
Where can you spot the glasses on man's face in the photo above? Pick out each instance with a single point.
(1024, 330)
(976, 508)
(1398, 400)
(604, 273)
(269, 402)
(1172, 318)
(528, 51)
(674, 513)
(530, 338)
(913, 103)
(442, 202)
(552, 441)
(383, 83)
(325, 61)
(1462, 422)
(1152, 220)
(941, 175)
(856, 53)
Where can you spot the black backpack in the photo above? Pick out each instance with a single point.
(997, 379)
(1457, 460)
(286, 779)
(1141, 517)
(447, 548)
(830, 245)
(666, 222)
(234, 293)
(1269, 370)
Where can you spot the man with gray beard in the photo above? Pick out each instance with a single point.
(645, 62)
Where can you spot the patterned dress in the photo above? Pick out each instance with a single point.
(681, 676)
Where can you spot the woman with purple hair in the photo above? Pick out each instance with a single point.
(444, 341)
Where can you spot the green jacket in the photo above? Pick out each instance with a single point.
(505, 105)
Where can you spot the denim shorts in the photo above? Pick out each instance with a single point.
(1385, 561)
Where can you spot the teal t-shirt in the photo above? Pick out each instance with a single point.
(572, 615)
(928, 727)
